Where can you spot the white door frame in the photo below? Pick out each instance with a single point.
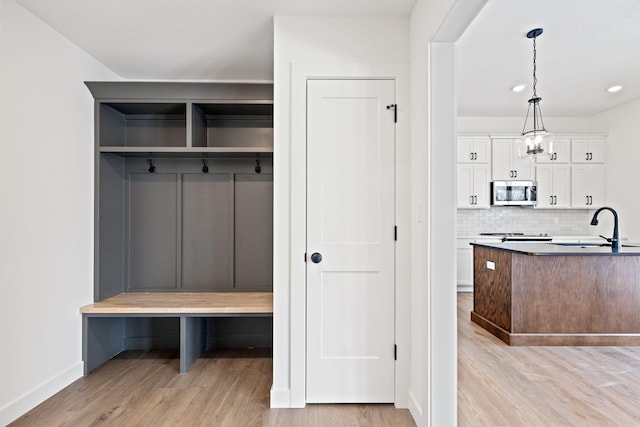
(300, 74)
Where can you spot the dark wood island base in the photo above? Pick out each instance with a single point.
(535, 294)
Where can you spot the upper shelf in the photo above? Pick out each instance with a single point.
(229, 124)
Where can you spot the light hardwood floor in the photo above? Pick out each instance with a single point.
(222, 388)
(500, 385)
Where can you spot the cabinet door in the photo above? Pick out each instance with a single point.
(501, 160)
(587, 186)
(561, 186)
(465, 186)
(481, 183)
(579, 186)
(464, 267)
(596, 185)
(544, 177)
(561, 152)
(482, 150)
(597, 150)
(522, 168)
(465, 150)
(579, 150)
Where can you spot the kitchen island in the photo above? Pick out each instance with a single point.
(553, 294)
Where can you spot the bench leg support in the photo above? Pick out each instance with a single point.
(192, 340)
(102, 339)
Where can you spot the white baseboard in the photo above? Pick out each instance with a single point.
(465, 288)
(32, 398)
(415, 409)
(280, 398)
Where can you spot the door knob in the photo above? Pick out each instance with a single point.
(316, 257)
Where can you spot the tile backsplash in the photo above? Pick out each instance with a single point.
(565, 222)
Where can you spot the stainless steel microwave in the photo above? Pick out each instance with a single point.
(513, 193)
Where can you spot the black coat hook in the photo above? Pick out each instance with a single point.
(205, 167)
(152, 168)
(258, 168)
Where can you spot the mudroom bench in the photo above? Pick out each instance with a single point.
(104, 322)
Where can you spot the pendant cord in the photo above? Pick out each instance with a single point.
(535, 79)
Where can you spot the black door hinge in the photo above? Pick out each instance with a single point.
(395, 352)
(395, 233)
(395, 111)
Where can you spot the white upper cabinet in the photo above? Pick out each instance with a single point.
(586, 150)
(554, 186)
(473, 186)
(561, 152)
(506, 165)
(474, 150)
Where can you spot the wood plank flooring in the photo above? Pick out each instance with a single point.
(222, 388)
(500, 385)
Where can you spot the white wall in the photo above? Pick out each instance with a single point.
(302, 42)
(435, 26)
(46, 223)
(623, 173)
(513, 125)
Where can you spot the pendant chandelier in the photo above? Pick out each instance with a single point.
(537, 141)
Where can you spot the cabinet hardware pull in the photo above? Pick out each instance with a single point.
(475, 200)
(152, 167)
(555, 200)
(515, 174)
(470, 156)
(586, 156)
(475, 156)
(470, 200)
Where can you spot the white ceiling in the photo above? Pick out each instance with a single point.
(189, 39)
(587, 45)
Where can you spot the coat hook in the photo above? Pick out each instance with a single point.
(152, 168)
(258, 168)
(205, 167)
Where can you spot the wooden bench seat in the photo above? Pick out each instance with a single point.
(184, 303)
(103, 323)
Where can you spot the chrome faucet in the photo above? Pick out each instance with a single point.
(615, 239)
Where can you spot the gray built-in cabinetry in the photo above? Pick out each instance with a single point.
(184, 191)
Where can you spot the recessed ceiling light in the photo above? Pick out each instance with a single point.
(614, 89)
(518, 88)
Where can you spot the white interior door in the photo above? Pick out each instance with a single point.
(350, 223)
